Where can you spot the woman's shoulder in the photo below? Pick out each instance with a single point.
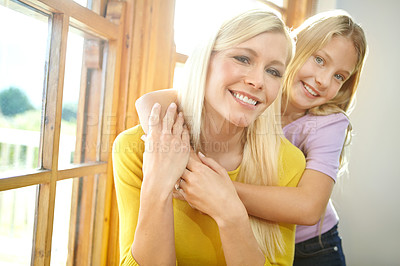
(130, 141)
(290, 153)
(130, 134)
(292, 163)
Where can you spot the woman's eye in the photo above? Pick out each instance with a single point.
(339, 77)
(274, 72)
(242, 59)
(319, 60)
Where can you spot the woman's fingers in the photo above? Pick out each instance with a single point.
(154, 118)
(211, 163)
(169, 118)
(177, 129)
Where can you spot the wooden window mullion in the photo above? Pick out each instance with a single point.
(43, 228)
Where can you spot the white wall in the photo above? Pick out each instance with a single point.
(368, 200)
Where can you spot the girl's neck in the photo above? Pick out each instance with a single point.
(290, 114)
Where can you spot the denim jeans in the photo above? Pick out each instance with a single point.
(312, 253)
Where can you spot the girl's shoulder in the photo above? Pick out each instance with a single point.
(320, 120)
(311, 124)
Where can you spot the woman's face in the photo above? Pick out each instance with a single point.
(323, 74)
(244, 80)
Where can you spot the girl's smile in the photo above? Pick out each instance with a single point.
(322, 75)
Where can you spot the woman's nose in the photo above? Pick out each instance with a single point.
(255, 78)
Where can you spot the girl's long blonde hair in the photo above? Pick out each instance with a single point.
(312, 36)
(263, 137)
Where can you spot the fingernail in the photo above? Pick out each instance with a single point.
(172, 105)
(201, 154)
(156, 105)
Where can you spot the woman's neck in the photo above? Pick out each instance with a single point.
(223, 142)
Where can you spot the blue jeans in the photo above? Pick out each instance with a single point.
(312, 253)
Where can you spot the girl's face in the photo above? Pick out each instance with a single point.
(323, 74)
(244, 80)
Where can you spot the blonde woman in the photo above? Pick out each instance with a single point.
(228, 101)
(318, 94)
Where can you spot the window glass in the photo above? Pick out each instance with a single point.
(82, 98)
(17, 213)
(83, 3)
(194, 18)
(23, 45)
(61, 224)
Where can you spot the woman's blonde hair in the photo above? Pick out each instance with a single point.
(312, 36)
(263, 137)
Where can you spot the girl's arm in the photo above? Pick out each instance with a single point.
(145, 103)
(302, 205)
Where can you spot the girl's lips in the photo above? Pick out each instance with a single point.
(310, 91)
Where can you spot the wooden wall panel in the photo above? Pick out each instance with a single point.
(152, 51)
(297, 11)
(147, 64)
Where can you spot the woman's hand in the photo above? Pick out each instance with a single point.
(167, 148)
(207, 187)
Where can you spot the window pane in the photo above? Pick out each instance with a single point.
(62, 211)
(82, 2)
(82, 98)
(17, 213)
(74, 219)
(23, 44)
(190, 25)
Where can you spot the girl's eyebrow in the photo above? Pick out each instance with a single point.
(254, 53)
(326, 55)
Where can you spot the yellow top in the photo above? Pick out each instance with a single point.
(197, 240)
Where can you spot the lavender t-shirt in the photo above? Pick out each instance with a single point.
(321, 139)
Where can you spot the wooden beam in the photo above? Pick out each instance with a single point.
(43, 227)
(78, 170)
(298, 11)
(180, 58)
(118, 51)
(80, 16)
(18, 179)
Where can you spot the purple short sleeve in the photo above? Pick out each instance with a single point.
(321, 139)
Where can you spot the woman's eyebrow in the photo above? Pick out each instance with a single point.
(254, 53)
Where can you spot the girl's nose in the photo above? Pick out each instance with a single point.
(322, 78)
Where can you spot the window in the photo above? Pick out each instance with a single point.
(57, 73)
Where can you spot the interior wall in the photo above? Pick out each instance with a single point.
(368, 199)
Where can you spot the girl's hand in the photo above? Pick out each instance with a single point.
(166, 150)
(207, 187)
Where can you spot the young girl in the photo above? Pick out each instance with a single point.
(232, 79)
(319, 90)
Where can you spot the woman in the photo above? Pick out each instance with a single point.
(319, 90)
(232, 79)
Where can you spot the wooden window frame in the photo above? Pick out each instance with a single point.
(63, 14)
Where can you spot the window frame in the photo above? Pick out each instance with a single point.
(63, 14)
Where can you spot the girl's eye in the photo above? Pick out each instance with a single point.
(319, 60)
(273, 72)
(242, 59)
(339, 77)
